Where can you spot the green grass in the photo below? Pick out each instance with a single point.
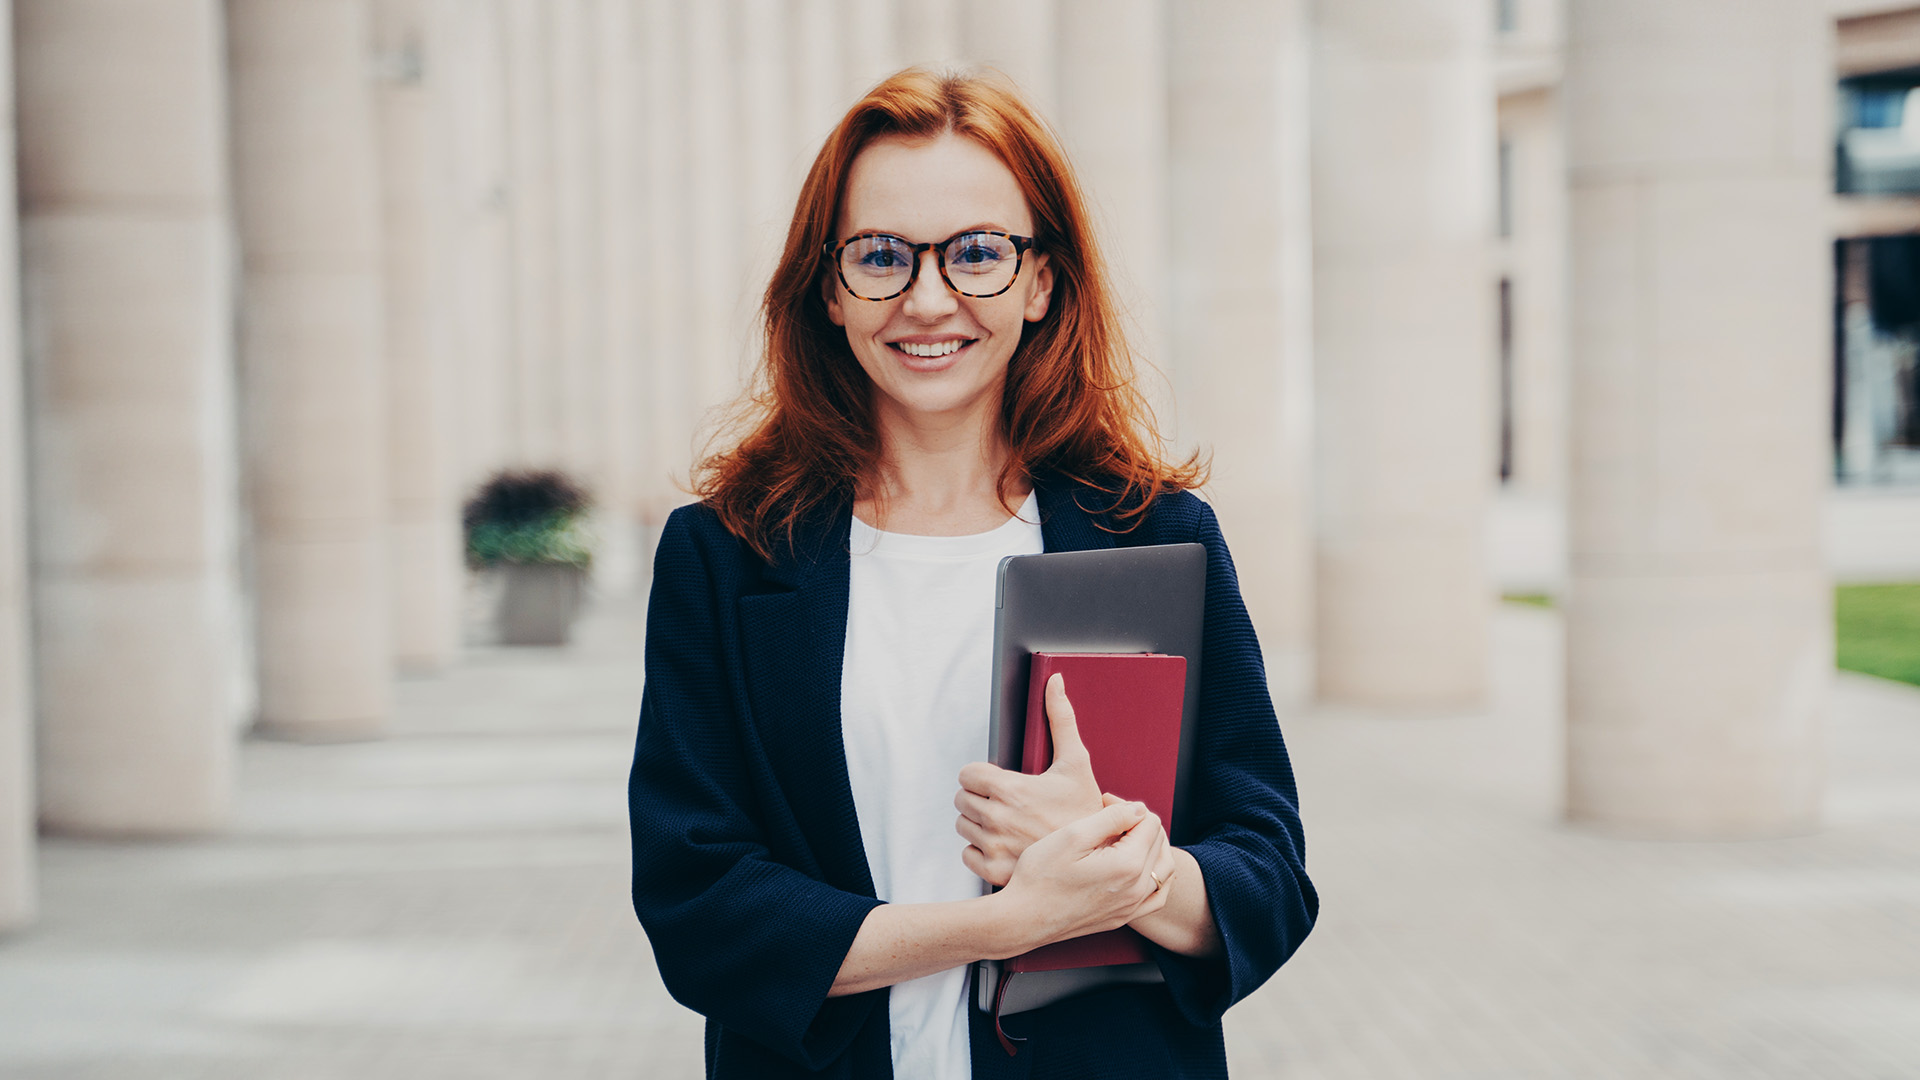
(1877, 629)
(1540, 600)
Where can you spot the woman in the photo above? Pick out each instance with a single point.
(944, 384)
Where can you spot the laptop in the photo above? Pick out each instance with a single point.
(1119, 600)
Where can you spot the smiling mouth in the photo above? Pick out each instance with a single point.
(931, 351)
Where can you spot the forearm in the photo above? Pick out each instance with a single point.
(1185, 925)
(898, 942)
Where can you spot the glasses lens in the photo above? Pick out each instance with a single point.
(981, 264)
(876, 267)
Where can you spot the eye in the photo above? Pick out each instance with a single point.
(878, 255)
(978, 253)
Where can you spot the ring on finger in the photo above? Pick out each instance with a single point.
(1157, 883)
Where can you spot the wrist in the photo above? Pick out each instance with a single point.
(1010, 928)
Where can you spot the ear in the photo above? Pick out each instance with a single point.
(830, 292)
(1040, 293)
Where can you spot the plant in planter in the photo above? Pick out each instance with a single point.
(531, 527)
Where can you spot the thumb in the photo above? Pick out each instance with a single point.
(1065, 727)
(1095, 830)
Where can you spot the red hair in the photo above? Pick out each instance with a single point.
(809, 439)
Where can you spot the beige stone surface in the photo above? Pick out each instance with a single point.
(620, 206)
(1241, 311)
(451, 902)
(478, 259)
(870, 44)
(719, 298)
(768, 183)
(1111, 79)
(324, 652)
(578, 368)
(136, 689)
(1699, 622)
(929, 32)
(131, 398)
(19, 889)
(122, 72)
(535, 387)
(422, 504)
(1404, 306)
(306, 170)
(671, 381)
(1019, 39)
(128, 285)
(819, 87)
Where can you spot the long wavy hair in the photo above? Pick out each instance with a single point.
(805, 437)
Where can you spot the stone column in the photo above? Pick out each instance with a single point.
(669, 294)
(820, 93)
(618, 566)
(423, 543)
(1113, 117)
(479, 265)
(1241, 316)
(1404, 303)
(929, 32)
(711, 259)
(573, 123)
(536, 303)
(1016, 38)
(871, 47)
(18, 893)
(129, 281)
(767, 189)
(306, 173)
(1699, 643)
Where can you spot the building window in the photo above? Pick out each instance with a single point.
(1879, 139)
(1876, 399)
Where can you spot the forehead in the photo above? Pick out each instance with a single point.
(929, 189)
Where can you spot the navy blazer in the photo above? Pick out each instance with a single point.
(748, 870)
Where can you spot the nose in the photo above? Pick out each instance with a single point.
(929, 300)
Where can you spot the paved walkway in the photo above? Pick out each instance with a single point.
(451, 902)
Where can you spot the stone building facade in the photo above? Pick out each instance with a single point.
(295, 275)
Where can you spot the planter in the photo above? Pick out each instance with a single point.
(539, 603)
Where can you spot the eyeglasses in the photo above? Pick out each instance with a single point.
(881, 266)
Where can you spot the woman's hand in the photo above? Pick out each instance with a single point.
(1002, 813)
(1098, 873)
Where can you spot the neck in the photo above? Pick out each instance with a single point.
(939, 476)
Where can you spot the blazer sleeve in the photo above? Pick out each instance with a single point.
(1244, 828)
(750, 942)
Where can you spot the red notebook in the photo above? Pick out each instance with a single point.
(1127, 706)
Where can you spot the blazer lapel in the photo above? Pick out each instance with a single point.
(1070, 516)
(794, 638)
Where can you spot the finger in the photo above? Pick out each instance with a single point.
(1144, 839)
(1065, 726)
(976, 861)
(1096, 829)
(1108, 798)
(990, 870)
(982, 779)
(971, 831)
(972, 806)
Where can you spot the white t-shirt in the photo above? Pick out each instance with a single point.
(913, 711)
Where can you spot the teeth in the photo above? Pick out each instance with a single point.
(929, 351)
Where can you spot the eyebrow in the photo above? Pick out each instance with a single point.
(983, 227)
